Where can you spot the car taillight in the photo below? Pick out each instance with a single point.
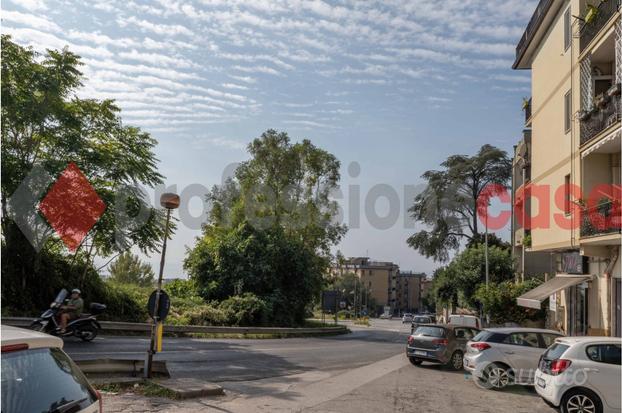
(559, 366)
(101, 402)
(480, 346)
(411, 340)
(14, 347)
(440, 341)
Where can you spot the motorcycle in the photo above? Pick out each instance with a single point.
(84, 327)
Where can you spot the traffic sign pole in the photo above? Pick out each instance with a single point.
(168, 201)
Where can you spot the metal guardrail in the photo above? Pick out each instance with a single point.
(146, 327)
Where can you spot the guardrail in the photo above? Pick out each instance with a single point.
(146, 327)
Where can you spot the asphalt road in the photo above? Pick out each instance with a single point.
(221, 360)
(366, 371)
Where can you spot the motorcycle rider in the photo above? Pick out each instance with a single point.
(71, 310)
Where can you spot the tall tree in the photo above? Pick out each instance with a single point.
(448, 205)
(286, 185)
(129, 269)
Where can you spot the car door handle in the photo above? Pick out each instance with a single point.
(508, 352)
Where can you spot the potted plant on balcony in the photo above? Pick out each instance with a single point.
(527, 241)
(525, 104)
(601, 101)
(591, 13)
(584, 115)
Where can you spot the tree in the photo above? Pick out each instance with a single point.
(499, 300)
(45, 125)
(283, 185)
(448, 205)
(275, 266)
(129, 269)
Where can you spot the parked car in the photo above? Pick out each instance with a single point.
(37, 376)
(407, 318)
(385, 316)
(464, 320)
(498, 357)
(438, 343)
(419, 320)
(581, 374)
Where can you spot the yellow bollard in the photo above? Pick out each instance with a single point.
(159, 331)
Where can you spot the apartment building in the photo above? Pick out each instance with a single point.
(568, 200)
(408, 292)
(379, 278)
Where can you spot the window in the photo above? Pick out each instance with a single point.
(567, 111)
(567, 194)
(605, 353)
(426, 331)
(548, 339)
(465, 333)
(567, 30)
(523, 339)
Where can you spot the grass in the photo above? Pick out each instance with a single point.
(146, 388)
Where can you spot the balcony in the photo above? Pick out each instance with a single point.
(595, 19)
(602, 219)
(606, 111)
(527, 109)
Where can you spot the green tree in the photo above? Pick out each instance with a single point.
(448, 205)
(286, 185)
(129, 269)
(45, 124)
(499, 300)
(275, 266)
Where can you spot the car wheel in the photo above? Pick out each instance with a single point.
(581, 401)
(455, 362)
(415, 361)
(497, 377)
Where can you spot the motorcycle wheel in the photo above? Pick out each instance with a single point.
(37, 326)
(87, 333)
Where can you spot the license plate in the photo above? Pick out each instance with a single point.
(541, 383)
(421, 353)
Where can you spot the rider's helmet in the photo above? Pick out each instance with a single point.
(76, 291)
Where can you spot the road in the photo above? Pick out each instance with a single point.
(365, 371)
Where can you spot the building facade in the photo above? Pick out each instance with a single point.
(569, 199)
(409, 292)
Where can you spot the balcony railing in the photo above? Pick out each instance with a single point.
(603, 12)
(606, 112)
(532, 27)
(527, 109)
(602, 219)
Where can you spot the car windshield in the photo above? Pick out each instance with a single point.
(555, 351)
(429, 331)
(421, 320)
(43, 380)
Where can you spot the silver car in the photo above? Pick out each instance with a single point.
(498, 357)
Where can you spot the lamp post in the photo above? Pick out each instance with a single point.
(486, 255)
(169, 201)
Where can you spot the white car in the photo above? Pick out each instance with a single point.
(37, 376)
(407, 318)
(581, 374)
(498, 357)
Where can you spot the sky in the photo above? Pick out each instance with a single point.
(390, 87)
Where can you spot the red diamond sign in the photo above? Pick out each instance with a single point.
(72, 206)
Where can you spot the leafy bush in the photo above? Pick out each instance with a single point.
(500, 301)
(246, 310)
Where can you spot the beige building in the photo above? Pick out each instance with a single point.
(570, 161)
(379, 278)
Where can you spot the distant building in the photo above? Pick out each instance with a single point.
(377, 277)
(409, 292)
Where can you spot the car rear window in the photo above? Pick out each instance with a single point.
(43, 380)
(429, 331)
(489, 337)
(421, 320)
(555, 351)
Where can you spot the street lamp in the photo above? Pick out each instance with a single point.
(169, 201)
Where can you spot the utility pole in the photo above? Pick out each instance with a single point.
(169, 201)
(486, 257)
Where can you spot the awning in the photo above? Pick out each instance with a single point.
(533, 298)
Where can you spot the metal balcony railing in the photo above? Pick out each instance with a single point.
(599, 119)
(532, 27)
(604, 10)
(602, 219)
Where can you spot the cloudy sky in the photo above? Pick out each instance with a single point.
(390, 87)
